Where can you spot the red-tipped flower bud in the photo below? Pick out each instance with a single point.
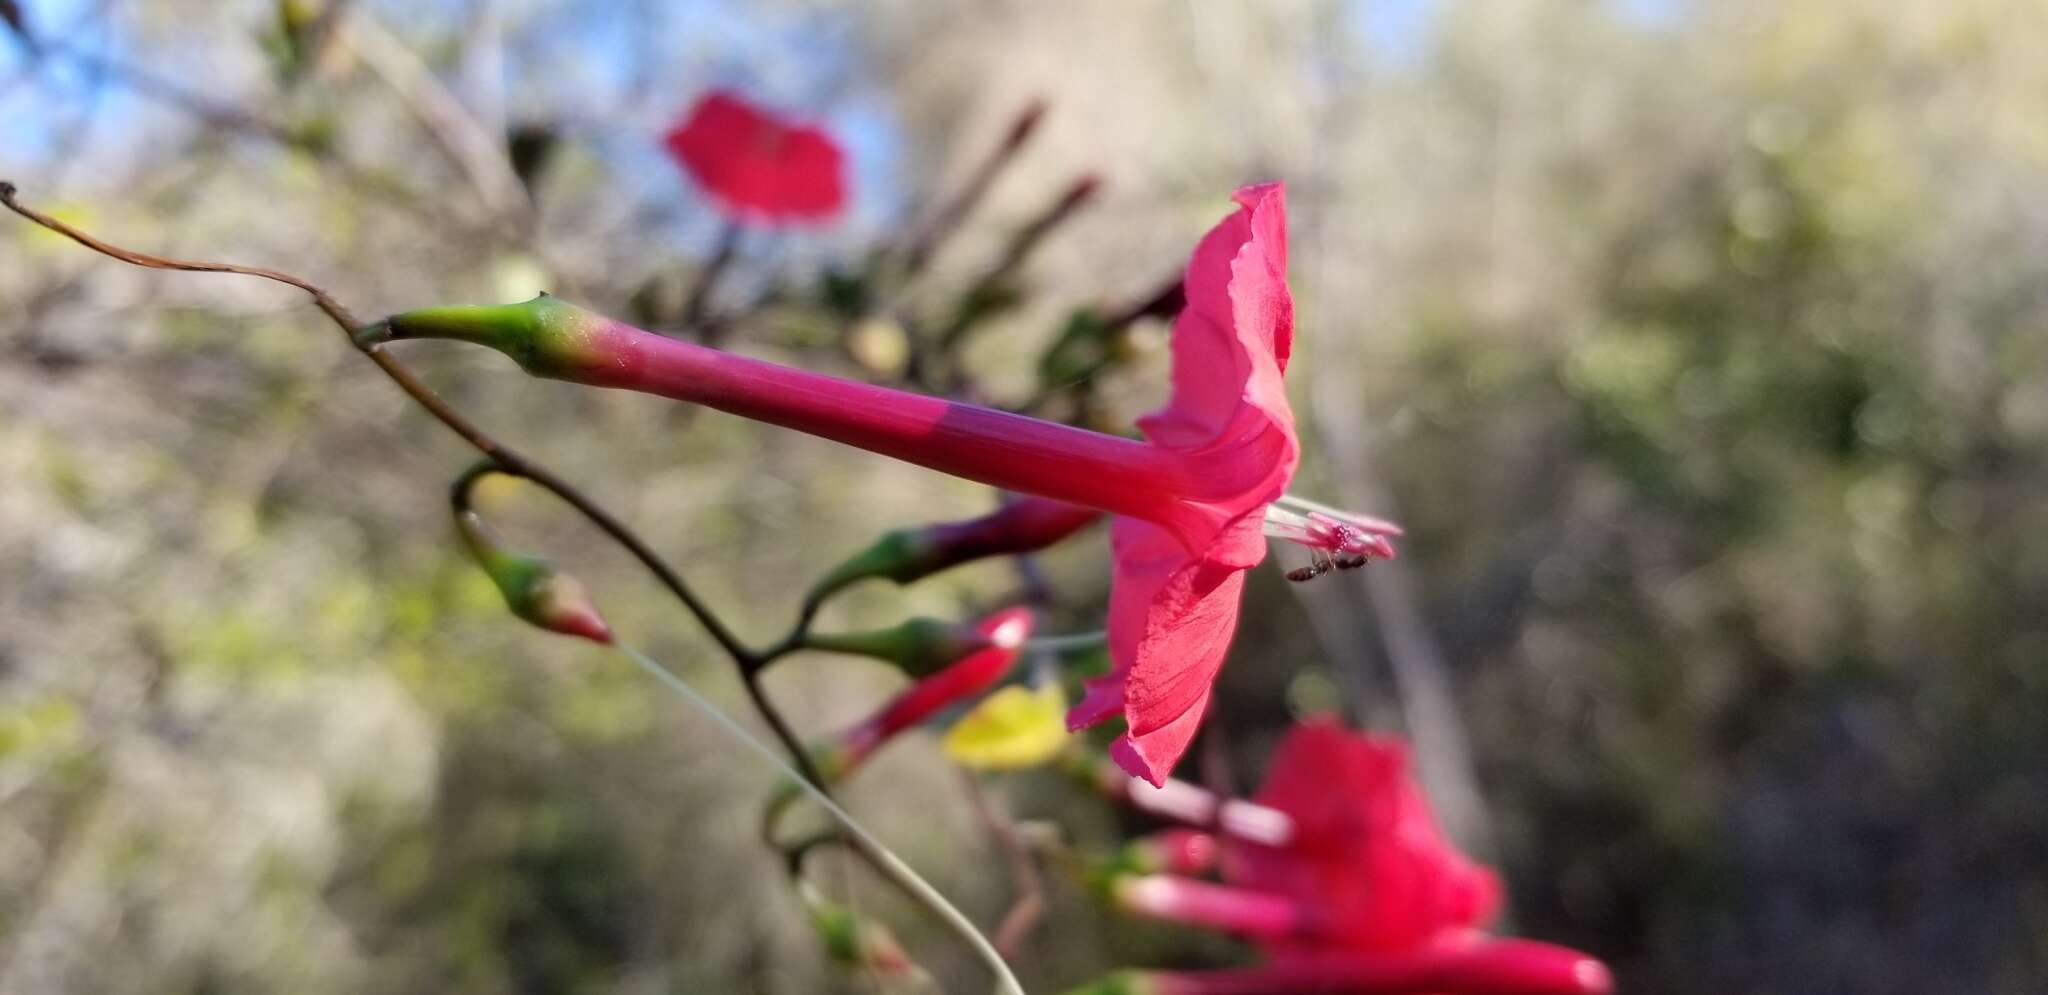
(856, 942)
(1003, 632)
(533, 588)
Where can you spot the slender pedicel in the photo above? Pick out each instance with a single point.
(1257, 914)
(919, 647)
(1186, 491)
(1197, 806)
(886, 860)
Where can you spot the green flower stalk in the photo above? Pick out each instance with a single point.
(920, 647)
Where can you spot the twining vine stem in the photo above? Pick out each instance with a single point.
(511, 462)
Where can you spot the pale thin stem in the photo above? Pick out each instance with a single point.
(879, 854)
(1066, 643)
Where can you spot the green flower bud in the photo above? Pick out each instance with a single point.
(857, 942)
(533, 588)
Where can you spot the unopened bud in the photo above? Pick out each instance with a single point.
(856, 942)
(533, 588)
(968, 675)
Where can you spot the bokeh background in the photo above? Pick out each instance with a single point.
(1701, 347)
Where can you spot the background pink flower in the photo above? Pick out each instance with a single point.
(757, 167)
(1366, 850)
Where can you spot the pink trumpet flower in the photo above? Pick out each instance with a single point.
(1365, 846)
(1362, 894)
(1195, 499)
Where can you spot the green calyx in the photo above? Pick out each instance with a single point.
(919, 647)
(546, 336)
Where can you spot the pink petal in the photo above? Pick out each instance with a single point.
(1232, 340)
(1367, 847)
(1170, 622)
(1174, 600)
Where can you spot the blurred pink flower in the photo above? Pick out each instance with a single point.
(1365, 849)
(1349, 886)
(757, 167)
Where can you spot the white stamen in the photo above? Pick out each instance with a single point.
(1376, 526)
(1284, 524)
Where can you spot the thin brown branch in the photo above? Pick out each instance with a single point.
(698, 307)
(942, 225)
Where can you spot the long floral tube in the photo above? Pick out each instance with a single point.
(1500, 967)
(551, 338)
(1197, 806)
(1242, 911)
